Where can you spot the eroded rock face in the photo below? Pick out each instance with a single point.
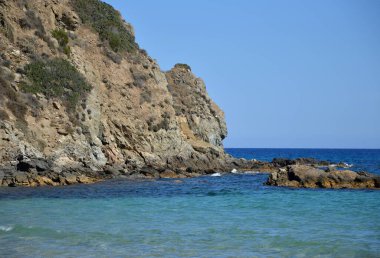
(199, 117)
(309, 177)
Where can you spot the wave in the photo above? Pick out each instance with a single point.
(348, 165)
(252, 172)
(6, 228)
(342, 165)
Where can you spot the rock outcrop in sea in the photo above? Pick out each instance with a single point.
(303, 176)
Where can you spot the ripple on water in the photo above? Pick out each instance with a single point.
(234, 215)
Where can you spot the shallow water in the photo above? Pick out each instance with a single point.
(229, 216)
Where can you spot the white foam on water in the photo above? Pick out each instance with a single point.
(234, 171)
(348, 165)
(251, 172)
(6, 228)
(216, 174)
(342, 164)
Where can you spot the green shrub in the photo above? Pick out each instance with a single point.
(61, 36)
(56, 78)
(67, 50)
(63, 40)
(184, 66)
(106, 21)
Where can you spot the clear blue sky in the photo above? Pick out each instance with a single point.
(297, 73)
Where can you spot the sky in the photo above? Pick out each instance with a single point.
(288, 74)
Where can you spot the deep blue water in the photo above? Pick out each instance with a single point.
(361, 159)
(230, 216)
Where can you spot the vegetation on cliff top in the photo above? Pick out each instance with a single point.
(183, 66)
(105, 20)
(56, 78)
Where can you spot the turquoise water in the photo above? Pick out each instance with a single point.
(229, 216)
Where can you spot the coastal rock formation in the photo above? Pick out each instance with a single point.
(80, 98)
(309, 177)
(81, 102)
(281, 162)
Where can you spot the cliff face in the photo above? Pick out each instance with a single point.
(196, 112)
(80, 101)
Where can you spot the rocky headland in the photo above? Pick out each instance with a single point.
(82, 102)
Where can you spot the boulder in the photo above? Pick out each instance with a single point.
(149, 172)
(68, 179)
(21, 178)
(43, 180)
(169, 174)
(85, 179)
(281, 162)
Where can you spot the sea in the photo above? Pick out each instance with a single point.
(235, 215)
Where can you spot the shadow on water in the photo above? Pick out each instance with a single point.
(228, 185)
(200, 186)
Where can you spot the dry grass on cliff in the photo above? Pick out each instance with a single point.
(10, 99)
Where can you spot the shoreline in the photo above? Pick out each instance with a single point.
(297, 173)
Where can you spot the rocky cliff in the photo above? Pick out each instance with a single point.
(80, 101)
